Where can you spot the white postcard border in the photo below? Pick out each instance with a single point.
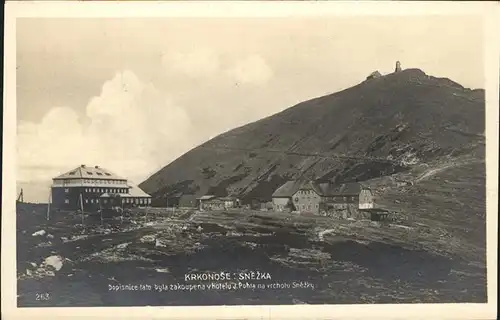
(489, 10)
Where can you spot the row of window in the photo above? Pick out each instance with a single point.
(108, 190)
(90, 173)
(309, 207)
(307, 192)
(89, 181)
(102, 190)
(343, 198)
(125, 200)
(104, 181)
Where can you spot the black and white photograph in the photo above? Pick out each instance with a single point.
(225, 160)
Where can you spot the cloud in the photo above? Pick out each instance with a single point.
(197, 63)
(206, 63)
(251, 70)
(132, 129)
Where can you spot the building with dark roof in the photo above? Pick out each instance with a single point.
(91, 188)
(315, 196)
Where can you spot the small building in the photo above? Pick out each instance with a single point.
(88, 187)
(230, 202)
(315, 196)
(282, 197)
(374, 75)
(369, 205)
(214, 203)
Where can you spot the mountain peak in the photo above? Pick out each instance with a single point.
(379, 127)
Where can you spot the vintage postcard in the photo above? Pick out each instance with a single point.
(256, 160)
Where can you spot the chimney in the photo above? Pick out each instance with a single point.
(83, 166)
(97, 167)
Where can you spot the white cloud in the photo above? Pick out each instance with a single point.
(201, 62)
(251, 70)
(207, 63)
(133, 128)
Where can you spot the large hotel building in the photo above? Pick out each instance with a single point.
(92, 188)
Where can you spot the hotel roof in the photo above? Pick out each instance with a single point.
(85, 172)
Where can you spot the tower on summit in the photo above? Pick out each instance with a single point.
(398, 66)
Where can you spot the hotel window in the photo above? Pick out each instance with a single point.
(66, 190)
(86, 200)
(66, 201)
(105, 201)
(92, 200)
(96, 200)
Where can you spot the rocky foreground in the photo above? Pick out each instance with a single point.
(267, 258)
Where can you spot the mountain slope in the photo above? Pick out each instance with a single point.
(385, 125)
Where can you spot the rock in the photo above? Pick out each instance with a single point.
(159, 243)
(50, 236)
(29, 273)
(44, 244)
(39, 233)
(148, 239)
(123, 245)
(199, 229)
(33, 264)
(55, 261)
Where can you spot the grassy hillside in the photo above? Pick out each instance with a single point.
(387, 125)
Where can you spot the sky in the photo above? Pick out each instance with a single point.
(132, 95)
